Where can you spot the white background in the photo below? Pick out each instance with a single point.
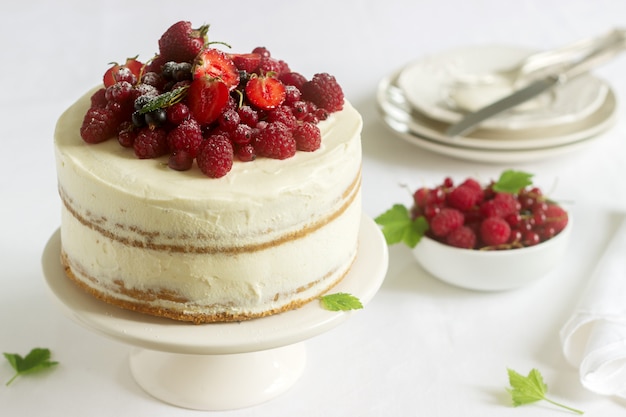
(421, 347)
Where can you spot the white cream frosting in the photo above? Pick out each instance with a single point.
(231, 243)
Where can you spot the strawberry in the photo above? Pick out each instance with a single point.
(246, 62)
(128, 71)
(214, 63)
(265, 92)
(181, 43)
(206, 98)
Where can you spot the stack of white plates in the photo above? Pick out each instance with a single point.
(420, 101)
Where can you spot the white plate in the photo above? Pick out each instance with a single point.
(392, 104)
(483, 155)
(427, 84)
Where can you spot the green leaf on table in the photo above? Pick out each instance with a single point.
(398, 226)
(340, 301)
(37, 360)
(530, 389)
(511, 181)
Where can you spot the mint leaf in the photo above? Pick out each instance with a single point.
(530, 389)
(37, 359)
(340, 302)
(164, 100)
(512, 181)
(397, 226)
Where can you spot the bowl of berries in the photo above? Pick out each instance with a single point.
(493, 237)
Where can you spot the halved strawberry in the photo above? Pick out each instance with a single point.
(206, 98)
(117, 71)
(265, 92)
(213, 63)
(247, 62)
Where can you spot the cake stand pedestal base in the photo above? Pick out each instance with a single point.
(218, 382)
(218, 366)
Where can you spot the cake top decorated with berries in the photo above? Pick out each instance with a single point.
(193, 102)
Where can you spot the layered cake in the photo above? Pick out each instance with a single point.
(223, 230)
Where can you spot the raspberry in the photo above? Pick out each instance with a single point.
(275, 141)
(187, 137)
(446, 221)
(508, 203)
(293, 78)
(426, 196)
(501, 205)
(495, 231)
(474, 185)
(126, 134)
(324, 91)
(215, 157)
(98, 99)
(284, 115)
(462, 237)
(308, 137)
(99, 124)
(269, 64)
(150, 143)
(462, 197)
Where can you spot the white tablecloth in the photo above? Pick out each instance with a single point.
(421, 347)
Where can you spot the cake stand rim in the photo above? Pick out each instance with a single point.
(363, 281)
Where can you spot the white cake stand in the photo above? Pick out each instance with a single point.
(219, 366)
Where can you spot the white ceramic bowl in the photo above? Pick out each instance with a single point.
(492, 270)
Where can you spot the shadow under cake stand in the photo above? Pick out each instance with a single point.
(218, 366)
